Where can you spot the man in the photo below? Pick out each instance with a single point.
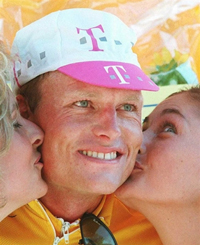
(85, 95)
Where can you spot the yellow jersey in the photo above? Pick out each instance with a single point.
(33, 224)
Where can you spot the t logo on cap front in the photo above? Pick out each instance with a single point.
(116, 71)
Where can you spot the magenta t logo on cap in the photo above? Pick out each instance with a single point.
(89, 45)
(118, 74)
(93, 39)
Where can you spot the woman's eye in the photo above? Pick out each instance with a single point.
(17, 125)
(169, 129)
(82, 103)
(129, 107)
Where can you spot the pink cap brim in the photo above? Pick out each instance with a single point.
(110, 74)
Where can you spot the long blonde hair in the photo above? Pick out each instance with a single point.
(6, 127)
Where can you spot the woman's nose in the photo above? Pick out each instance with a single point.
(142, 149)
(35, 134)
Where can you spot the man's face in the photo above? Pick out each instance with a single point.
(92, 134)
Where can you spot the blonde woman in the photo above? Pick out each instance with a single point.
(165, 182)
(20, 166)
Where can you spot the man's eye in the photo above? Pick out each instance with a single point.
(82, 103)
(129, 107)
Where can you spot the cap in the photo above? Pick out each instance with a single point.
(89, 45)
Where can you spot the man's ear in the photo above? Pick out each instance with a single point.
(23, 106)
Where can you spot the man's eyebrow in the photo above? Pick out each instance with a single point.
(172, 111)
(134, 97)
(86, 94)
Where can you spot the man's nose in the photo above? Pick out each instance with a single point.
(107, 125)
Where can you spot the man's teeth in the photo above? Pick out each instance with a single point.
(101, 155)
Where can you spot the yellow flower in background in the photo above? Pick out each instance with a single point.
(170, 70)
(165, 57)
(180, 58)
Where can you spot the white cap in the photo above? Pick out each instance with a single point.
(89, 45)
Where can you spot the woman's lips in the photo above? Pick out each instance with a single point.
(38, 162)
(138, 166)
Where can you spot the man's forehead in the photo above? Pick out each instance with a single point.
(89, 90)
(83, 88)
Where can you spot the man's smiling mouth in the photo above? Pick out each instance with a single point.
(100, 155)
